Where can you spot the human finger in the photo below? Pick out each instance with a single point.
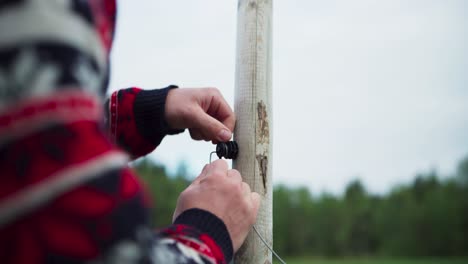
(256, 199)
(219, 166)
(196, 135)
(234, 175)
(222, 111)
(210, 127)
(246, 190)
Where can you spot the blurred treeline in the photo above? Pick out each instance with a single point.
(428, 217)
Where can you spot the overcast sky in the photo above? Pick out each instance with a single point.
(375, 90)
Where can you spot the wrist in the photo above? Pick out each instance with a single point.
(149, 109)
(210, 224)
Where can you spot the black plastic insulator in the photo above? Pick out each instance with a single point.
(227, 150)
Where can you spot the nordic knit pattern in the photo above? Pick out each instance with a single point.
(66, 193)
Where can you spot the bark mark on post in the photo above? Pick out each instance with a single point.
(263, 167)
(262, 128)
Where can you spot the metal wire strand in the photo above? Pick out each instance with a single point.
(268, 246)
(214, 152)
(256, 231)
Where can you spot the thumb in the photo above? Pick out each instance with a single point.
(210, 127)
(202, 174)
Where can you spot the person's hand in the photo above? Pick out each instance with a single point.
(203, 111)
(223, 193)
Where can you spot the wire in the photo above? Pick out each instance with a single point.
(214, 152)
(229, 150)
(268, 246)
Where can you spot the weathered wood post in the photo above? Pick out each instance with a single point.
(253, 99)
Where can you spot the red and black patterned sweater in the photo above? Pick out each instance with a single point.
(66, 193)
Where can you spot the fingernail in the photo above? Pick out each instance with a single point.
(224, 135)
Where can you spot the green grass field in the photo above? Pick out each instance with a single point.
(372, 261)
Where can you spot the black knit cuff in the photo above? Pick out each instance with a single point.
(149, 109)
(210, 224)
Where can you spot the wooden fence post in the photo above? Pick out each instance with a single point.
(253, 108)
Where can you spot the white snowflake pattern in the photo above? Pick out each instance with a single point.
(88, 78)
(27, 77)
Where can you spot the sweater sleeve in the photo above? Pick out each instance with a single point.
(135, 119)
(197, 230)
